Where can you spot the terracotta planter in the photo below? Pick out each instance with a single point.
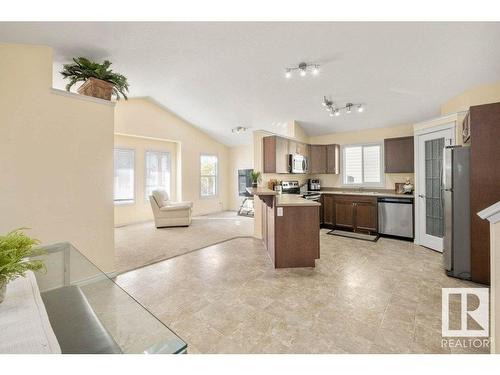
(3, 290)
(96, 88)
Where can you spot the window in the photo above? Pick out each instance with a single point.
(362, 165)
(208, 175)
(124, 176)
(157, 172)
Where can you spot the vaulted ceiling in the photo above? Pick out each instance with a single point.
(222, 75)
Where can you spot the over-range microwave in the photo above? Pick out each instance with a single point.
(297, 163)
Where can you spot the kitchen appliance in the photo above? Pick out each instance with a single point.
(290, 187)
(395, 216)
(313, 184)
(297, 163)
(456, 194)
(312, 196)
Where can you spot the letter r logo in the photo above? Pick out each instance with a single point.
(479, 314)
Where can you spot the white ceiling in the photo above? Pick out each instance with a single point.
(222, 75)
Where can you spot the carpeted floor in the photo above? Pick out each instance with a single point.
(137, 245)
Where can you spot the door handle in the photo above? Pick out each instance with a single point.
(421, 196)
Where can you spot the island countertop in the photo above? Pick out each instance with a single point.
(283, 200)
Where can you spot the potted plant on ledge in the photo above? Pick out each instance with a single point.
(99, 81)
(16, 248)
(255, 177)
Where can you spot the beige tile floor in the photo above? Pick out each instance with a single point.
(362, 297)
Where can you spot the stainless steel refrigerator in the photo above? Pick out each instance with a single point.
(456, 190)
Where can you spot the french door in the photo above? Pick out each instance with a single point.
(430, 197)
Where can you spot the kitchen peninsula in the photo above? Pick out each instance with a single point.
(290, 228)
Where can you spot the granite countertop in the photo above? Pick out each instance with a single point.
(294, 200)
(368, 192)
(261, 191)
(284, 199)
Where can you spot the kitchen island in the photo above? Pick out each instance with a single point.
(290, 228)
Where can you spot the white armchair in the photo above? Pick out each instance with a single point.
(167, 213)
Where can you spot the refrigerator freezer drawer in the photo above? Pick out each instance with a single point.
(395, 219)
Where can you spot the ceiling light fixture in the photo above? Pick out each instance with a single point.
(303, 69)
(335, 110)
(239, 129)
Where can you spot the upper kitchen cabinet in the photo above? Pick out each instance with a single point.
(399, 155)
(332, 159)
(300, 148)
(275, 154)
(324, 159)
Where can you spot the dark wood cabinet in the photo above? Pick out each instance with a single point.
(324, 159)
(328, 208)
(332, 159)
(365, 215)
(317, 163)
(484, 128)
(275, 154)
(350, 212)
(344, 212)
(398, 155)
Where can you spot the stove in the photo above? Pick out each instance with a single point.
(290, 187)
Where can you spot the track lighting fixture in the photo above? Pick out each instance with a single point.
(303, 69)
(335, 110)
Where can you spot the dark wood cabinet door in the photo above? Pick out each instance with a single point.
(275, 154)
(484, 128)
(318, 159)
(328, 209)
(332, 159)
(281, 155)
(398, 155)
(344, 212)
(365, 218)
(269, 151)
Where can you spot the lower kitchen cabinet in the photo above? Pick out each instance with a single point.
(328, 210)
(350, 212)
(365, 215)
(344, 212)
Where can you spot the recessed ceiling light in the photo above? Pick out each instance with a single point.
(239, 129)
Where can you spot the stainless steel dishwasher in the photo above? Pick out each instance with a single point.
(395, 216)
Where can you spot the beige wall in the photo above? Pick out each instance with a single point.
(140, 210)
(240, 157)
(56, 158)
(145, 118)
(495, 284)
(369, 135)
(477, 95)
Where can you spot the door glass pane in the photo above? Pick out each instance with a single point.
(434, 221)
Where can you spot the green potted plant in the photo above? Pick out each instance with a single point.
(16, 248)
(99, 80)
(255, 176)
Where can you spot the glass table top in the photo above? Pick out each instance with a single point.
(90, 313)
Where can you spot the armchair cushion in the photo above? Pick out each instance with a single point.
(175, 207)
(160, 197)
